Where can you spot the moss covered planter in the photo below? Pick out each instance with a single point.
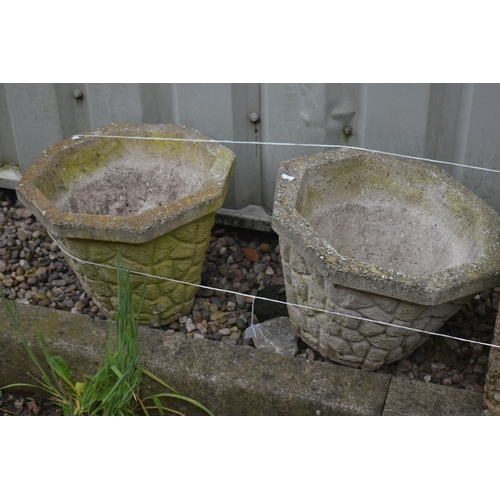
(152, 201)
(381, 238)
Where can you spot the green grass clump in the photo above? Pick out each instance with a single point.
(114, 389)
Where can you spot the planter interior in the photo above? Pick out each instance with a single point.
(381, 238)
(153, 201)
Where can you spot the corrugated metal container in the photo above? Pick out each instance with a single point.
(452, 122)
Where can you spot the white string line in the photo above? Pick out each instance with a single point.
(259, 143)
(253, 297)
(253, 308)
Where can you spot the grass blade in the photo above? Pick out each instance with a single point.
(184, 398)
(159, 380)
(114, 389)
(62, 370)
(158, 405)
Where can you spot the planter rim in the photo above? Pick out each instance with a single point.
(433, 289)
(137, 228)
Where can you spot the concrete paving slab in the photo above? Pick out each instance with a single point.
(408, 397)
(229, 380)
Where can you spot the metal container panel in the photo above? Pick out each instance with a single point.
(451, 122)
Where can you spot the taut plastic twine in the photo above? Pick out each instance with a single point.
(251, 330)
(259, 143)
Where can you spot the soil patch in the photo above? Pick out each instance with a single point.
(24, 404)
(121, 189)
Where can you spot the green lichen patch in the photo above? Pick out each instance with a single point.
(170, 183)
(67, 167)
(388, 225)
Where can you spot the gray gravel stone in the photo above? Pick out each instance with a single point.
(259, 268)
(275, 335)
(241, 323)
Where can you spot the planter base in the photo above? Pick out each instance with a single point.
(351, 341)
(178, 255)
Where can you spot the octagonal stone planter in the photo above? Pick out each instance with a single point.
(381, 238)
(152, 201)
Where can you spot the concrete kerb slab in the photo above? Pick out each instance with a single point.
(409, 398)
(230, 380)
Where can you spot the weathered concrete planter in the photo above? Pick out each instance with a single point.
(386, 239)
(152, 201)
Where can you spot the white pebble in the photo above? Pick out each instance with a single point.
(190, 326)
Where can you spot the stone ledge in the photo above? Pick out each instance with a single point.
(250, 217)
(229, 380)
(10, 175)
(406, 397)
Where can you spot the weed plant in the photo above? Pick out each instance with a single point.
(114, 389)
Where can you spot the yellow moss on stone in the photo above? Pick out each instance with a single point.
(166, 256)
(83, 162)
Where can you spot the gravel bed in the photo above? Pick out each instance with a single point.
(33, 271)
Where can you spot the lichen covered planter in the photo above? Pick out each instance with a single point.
(379, 238)
(153, 201)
